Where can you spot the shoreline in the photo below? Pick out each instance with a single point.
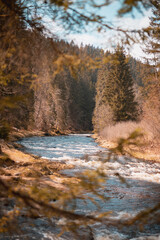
(28, 184)
(15, 152)
(16, 164)
(25, 172)
(142, 153)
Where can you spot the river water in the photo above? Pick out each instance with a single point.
(142, 190)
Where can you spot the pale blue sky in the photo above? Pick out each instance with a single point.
(108, 39)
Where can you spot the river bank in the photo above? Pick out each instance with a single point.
(23, 176)
(143, 152)
(14, 163)
(41, 178)
(22, 171)
(19, 165)
(11, 153)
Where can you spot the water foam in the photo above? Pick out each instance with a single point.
(81, 150)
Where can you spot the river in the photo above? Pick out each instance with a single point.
(142, 190)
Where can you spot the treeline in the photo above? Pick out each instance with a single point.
(119, 88)
(128, 92)
(32, 96)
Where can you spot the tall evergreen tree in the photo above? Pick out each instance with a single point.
(153, 44)
(119, 93)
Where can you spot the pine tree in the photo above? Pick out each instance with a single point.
(119, 93)
(153, 32)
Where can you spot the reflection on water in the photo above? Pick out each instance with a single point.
(143, 179)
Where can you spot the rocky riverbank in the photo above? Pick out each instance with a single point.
(18, 165)
(24, 176)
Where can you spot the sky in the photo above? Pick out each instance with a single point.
(108, 40)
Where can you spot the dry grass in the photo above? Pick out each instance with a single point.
(149, 123)
(124, 129)
(149, 149)
(120, 130)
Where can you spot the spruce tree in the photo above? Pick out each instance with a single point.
(153, 37)
(119, 93)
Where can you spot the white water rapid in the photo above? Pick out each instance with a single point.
(143, 178)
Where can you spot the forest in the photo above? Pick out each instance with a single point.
(46, 83)
(55, 86)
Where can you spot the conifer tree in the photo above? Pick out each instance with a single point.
(119, 93)
(153, 45)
